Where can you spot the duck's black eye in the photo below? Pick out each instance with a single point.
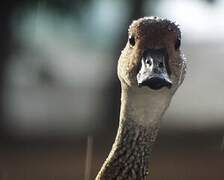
(177, 44)
(131, 40)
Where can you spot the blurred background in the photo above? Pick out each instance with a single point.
(59, 91)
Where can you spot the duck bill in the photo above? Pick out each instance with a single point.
(154, 69)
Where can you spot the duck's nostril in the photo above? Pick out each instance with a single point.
(160, 65)
(148, 61)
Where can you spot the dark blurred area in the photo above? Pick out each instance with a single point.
(59, 92)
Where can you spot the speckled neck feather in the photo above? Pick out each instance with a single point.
(129, 157)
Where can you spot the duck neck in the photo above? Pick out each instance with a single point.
(138, 127)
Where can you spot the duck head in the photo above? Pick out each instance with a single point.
(152, 57)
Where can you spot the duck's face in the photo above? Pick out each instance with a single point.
(152, 56)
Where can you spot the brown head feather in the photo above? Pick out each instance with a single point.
(153, 33)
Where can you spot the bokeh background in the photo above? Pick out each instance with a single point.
(59, 92)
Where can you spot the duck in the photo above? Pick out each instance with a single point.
(151, 68)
